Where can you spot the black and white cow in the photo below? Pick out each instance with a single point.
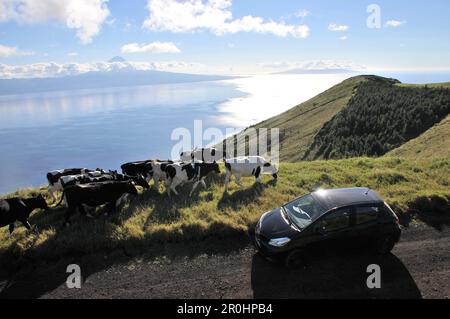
(248, 166)
(180, 173)
(19, 209)
(206, 155)
(111, 193)
(54, 182)
(143, 168)
(159, 171)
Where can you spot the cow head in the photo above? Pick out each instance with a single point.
(140, 181)
(271, 169)
(39, 202)
(215, 167)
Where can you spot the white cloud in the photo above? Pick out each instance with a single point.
(84, 16)
(72, 54)
(313, 65)
(344, 38)
(214, 16)
(6, 52)
(51, 69)
(154, 47)
(395, 23)
(337, 28)
(302, 13)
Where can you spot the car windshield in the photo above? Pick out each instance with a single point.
(303, 211)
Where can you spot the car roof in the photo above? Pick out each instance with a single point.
(340, 197)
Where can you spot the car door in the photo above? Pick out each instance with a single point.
(334, 227)
(366, 225)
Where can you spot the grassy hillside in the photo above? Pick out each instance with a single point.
(362, 116)
(433, 143)
(151, 219)
(299, 125)
(378, 118)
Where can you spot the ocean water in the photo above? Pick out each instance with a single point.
(107, 127)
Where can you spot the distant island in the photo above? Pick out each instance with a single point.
(125, 74)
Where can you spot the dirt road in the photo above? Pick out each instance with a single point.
(419, 267)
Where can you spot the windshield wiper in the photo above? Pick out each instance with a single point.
(288, 218)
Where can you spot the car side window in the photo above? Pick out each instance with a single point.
(336, 221)
(366, 214)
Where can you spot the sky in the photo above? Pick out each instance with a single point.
(56, 37)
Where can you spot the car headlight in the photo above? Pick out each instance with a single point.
(279, 242)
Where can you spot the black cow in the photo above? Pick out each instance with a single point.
(96, 194)
(19, 209)
(143, 168)
(180, 173)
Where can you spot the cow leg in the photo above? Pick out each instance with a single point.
(173, 186)
(69, 214)
(11, 228)
(82, 210)
(156, 181)
(238, 180)
(120, 201)
(203, 183)
(258, 174)
(194, 187)
(51, 191)
(227, 179)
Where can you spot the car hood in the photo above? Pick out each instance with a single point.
(274, 225)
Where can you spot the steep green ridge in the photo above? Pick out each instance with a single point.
(433, 143)
(299, 125)
(380, 117)
(365, 115)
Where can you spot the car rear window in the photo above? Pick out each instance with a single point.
(366, 214)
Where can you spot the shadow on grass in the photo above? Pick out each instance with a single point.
(244, 196)
(332, 274)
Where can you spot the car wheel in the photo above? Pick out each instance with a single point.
(295, 259)
(384, 245)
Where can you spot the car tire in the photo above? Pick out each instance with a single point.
(384, 245)
(295, 259)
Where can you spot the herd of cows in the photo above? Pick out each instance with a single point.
(82, 188)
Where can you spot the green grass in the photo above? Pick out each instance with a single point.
(151, 219)
(435, 142)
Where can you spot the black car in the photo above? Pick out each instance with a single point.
(324, 217)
